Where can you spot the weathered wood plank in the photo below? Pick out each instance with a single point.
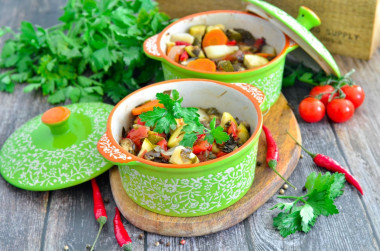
(71, 220)
(359, 139)
(22, 212)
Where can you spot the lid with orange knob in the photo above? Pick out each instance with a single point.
(56, 149)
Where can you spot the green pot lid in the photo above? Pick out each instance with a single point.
(57, 149)
(298, 30)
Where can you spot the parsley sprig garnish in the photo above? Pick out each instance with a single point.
(322, 191)
(95, 51)
(164, 119)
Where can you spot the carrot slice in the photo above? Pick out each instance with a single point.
(214, 37)
(147, 107)
(169, 48)
(265, 55)
(203, 64)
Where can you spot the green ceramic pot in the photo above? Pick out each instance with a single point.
(196, 189)
(267, 78)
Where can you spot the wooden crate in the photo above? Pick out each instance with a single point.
(349, 27)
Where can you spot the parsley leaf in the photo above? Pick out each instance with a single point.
(97, 40)
(189, 139)
(298, 71)
(164, 119)
(288, 223)
(216, 134)
(322, 190)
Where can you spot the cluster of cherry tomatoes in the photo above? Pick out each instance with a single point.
(339, 102)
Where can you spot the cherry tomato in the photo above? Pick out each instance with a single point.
(311, 110)
(340, 110)
(355, 94)
(324, 91)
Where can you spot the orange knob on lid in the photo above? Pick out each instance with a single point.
(55, 115)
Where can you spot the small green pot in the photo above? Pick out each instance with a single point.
(196, 189)
(267, 78)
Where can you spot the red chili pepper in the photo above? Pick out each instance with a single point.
(232, 130)
(99, 209)
(331, 165)
(121, 234)
(232, 42)
(182, 43)
(184, 56)
(272, 154)
(163, 144)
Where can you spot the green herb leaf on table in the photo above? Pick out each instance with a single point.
(97, 40)
(298, 71)
(322, 190)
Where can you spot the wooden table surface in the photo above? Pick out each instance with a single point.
(52, 220)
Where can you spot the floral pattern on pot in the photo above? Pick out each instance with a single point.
(190, 195)
(55, 168)
(151, 46)
(270, 83)
(112, 153)
(254, 91)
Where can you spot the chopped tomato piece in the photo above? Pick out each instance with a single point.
(201, 136)
(136, 135)
(182, 43)
(259, 43)
(232, 130)
(220, 154)
(184, 56)
(166, 157)
(232, 42)
(139, 122)
(201, 146)
(202, 157)
(163, 144)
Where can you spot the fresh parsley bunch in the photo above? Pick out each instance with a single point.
(294, 71)
(164, 119)
(96, 51)
(322, 190)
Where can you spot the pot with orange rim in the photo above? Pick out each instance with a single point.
(278, 28)
(189, 189)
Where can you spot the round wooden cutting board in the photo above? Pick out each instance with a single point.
(279, 119)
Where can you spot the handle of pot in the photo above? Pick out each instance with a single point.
(151, 47)
(110, 150)
(255, 92)
(308, 19)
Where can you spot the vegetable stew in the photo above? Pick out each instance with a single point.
(166, 132)
(215, 48)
